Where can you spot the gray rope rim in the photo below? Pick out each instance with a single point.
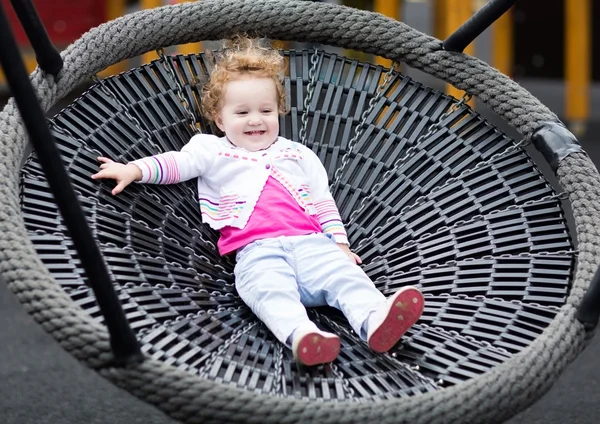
(492, 397)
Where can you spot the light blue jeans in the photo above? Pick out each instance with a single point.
(278, 277)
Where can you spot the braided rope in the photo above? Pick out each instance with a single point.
(494, 396)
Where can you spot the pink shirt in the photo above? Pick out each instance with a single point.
(276, 214)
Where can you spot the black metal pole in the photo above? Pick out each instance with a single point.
(123, 341)
(589, 309)
(476, 24)
(46, 54)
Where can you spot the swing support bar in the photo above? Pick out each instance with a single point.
(124, 344)
(45, 53)
(478, 23)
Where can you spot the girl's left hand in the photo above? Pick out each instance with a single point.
(353, 256)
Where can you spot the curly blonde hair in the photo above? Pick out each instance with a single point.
(245, 57)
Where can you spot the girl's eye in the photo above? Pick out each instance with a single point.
(267, 111)
(242, 113)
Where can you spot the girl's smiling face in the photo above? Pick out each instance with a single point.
(249, 114)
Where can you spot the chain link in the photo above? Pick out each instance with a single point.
(359, 129)
(480, 165)
(422, 199)
(334, 368)
(312, 79)
(388, 174)
(278, 384)
(179, 90)
(418, 269)
(103, 86)
(53, 126)
(203, 372)
(345, 383)
(477, 218)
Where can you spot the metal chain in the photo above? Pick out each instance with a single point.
(53, 126)
(219, 352)
(334, 368)
(345, 384)
(103, 86)
(312, 79)
(64, 131)
(418, 269)
(156, 147)
(422, 199)
(179, 90)
(391, 357)
(388, 174)
(398, 364)
(477, 218)
(359, 129)
(480, 165)
(278, 384)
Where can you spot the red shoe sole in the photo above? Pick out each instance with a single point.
(315, 349)
(405, 311)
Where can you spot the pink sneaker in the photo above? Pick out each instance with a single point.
(387, 325)
(314, 347)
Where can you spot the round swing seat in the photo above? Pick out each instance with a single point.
(432, 195)
(465, 216)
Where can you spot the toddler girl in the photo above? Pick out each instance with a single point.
(269, 198)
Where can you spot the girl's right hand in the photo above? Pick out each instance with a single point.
(123, 174)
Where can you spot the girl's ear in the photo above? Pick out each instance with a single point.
(219, 123)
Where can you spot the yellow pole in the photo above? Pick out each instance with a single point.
(390, 8)
(502, 44)
(149, 4)
(577, 62)
(439, 19)
(114, 9)
(457, 13)
(29, 60)
(190, 48)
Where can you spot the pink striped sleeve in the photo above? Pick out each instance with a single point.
(194, 159)
(326, 209)
(330, 220)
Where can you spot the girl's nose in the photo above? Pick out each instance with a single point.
(255, 120)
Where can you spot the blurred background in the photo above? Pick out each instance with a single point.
(545, 45)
